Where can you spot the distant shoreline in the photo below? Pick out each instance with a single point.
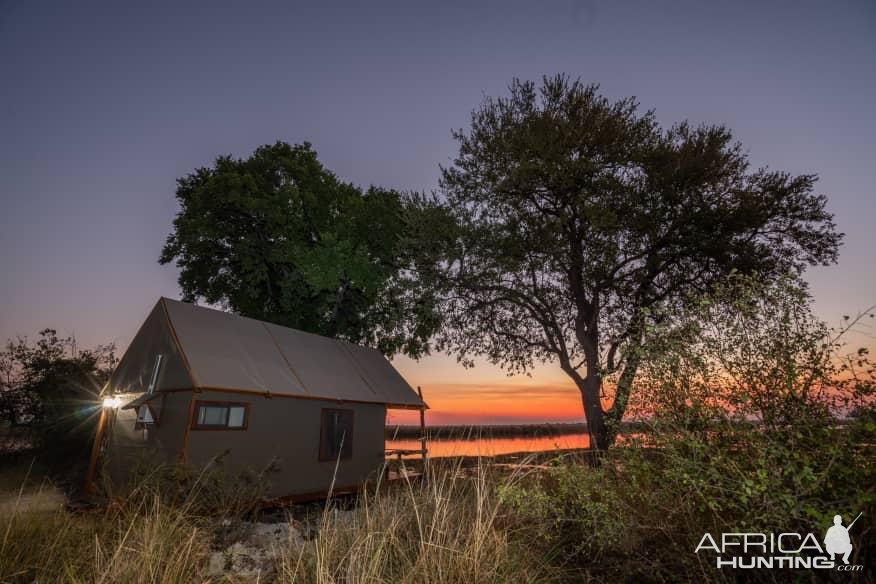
(479, 431)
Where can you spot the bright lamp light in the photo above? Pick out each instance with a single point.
(111, 402)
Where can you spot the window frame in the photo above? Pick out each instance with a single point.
(219, 403)
(322, 445)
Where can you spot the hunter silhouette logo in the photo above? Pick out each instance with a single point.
(837, 540)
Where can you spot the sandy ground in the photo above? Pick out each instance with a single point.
(24, 486)
(45, 499)
(255, 552)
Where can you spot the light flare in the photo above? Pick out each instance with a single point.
(112, 402)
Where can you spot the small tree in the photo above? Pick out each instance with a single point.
(744, 393)
(753, 351)
(580, 223)
(278, 237)
(51, 388)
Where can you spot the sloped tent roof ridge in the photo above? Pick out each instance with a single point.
(228, 351)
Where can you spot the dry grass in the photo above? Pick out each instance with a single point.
(635, 518)
(451, 528)
(154, 543)
(139, 541)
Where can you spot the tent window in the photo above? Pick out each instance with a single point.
(221, 416)
(336, 435)
(236, 416)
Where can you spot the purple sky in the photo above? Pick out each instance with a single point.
(104, 104)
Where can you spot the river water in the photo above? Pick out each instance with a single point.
(488, 446)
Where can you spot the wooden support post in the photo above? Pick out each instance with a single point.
(90, 487)
(423, 451)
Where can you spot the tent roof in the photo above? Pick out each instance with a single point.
(225, 351)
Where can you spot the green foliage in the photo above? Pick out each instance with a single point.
(280, 238)
(742, 399)
(580, 222)
(52, 388)
(640, 515)
(753, 350)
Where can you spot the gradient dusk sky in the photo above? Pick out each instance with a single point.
(104, 104)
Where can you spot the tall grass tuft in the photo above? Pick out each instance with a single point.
(150, 542)
(451, 528)
(136, 540)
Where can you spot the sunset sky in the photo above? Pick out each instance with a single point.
(104, 104)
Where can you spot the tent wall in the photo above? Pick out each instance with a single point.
(160, 443)
(288, 430)
(134, 372)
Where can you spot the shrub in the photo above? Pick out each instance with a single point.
(742, 403)
(50, 389)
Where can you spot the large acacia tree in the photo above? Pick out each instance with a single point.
(278, 237)
(580, 222)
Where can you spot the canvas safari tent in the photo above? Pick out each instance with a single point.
(196, 383)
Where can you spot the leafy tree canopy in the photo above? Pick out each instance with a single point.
(580, 223)
(278, 237)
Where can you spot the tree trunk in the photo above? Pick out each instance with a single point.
(339, 298)
(614, 416)
(590, 388)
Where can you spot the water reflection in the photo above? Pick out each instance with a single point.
(487, 446)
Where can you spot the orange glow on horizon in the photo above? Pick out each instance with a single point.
(485, 394)
(496, 403)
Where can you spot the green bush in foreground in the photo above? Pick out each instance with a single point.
(742, 403)
(641, 513)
